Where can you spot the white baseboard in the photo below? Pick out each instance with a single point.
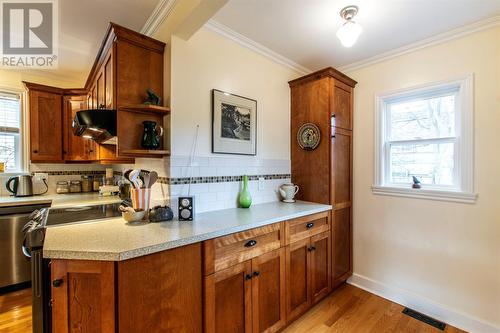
(423, 305)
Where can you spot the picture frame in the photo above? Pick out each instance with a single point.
(234, 124)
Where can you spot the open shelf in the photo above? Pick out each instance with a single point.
(146, 152)
(144, 108)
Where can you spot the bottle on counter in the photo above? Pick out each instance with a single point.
(62, 186)
(87, 184)
(75, 186)
(96, 183)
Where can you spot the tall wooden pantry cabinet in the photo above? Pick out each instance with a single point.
(324, 173)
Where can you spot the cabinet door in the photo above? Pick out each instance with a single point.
(83, 296)
(342, 105)
(94, 96)
(100, 90)
(228, 300)
(341, 180)
(76, 148)
(342, 245)
(268, 292)
(108, 81)
(45, 111)
(297, 279)
(321, 282)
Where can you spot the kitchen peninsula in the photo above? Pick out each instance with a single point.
(226, 270)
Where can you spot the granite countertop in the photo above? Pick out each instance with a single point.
(59, 200)
(114, 239)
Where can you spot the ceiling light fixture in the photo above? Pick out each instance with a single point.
(349, 32)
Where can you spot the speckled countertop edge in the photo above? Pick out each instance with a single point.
(150, 249)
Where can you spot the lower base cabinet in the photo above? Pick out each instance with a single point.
(247, 297)
(308, 273)
(342, 245)
(83, 296)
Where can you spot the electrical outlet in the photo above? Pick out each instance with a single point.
(39, 176)
(261, 183)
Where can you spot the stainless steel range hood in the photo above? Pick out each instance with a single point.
(96, 124)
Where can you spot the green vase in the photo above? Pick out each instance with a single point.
(245, 198)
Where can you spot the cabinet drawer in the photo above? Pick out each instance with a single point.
(226, 251)
(306, 226)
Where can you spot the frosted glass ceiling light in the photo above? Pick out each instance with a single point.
(349, 32)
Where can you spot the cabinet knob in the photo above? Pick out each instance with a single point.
(35, 151)
(256, 273)
(248, 277)
(251, 243)
(57, 282)
(309, 225)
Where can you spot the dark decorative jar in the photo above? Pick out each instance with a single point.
(152, 135)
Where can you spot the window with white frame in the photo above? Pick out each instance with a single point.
(426, 132)
(10, 131)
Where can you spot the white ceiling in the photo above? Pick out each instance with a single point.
(304, 30)
(82, 25)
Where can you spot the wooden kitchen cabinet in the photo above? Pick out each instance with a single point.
(324, 175)
(320, 266)
(249, 294)
(228, 300)
(298, 298)
(76, 148)
(308, 273)
(45, 123)
(268, 292)
(161, 292)
(83, 296)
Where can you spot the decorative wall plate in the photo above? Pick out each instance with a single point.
(308, 136)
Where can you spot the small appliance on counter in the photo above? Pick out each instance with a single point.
(288, 191)
(22, 186)
(186, 208)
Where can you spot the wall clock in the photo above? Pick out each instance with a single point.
(308, 136)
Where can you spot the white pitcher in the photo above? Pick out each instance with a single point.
(288, 191)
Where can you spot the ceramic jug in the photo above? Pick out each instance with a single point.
(288, 191)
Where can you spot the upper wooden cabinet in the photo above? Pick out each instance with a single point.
(325, 98)
(45, 118)
(76, 148)
(127, 65)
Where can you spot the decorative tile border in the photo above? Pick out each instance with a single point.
(175, 181)
(73, 173)
(220, 179)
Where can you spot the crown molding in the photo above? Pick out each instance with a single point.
(159, 14)
(254, 46)
(434, 40)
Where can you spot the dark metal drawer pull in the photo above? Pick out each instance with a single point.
(57, 282)
(309, 225)
(256, 273)
(251, 243)
(248, 277)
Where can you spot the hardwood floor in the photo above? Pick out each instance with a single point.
(347, 309)
(350, 309)
(15, 312)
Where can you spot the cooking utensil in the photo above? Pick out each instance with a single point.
(134, 178)
(146, 179)
(126, 174)
(153, 177)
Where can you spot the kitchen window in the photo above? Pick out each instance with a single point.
(426, 132)
(10, 132)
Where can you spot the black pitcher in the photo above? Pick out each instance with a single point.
(151, 136)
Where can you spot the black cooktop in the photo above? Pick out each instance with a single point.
(82, 214)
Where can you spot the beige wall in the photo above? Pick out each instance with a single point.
(447, 253)
(209, 61)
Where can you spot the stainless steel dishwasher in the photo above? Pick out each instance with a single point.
(15, 269)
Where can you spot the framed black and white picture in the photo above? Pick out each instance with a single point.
(234, 124)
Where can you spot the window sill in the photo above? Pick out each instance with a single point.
(453, 196)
